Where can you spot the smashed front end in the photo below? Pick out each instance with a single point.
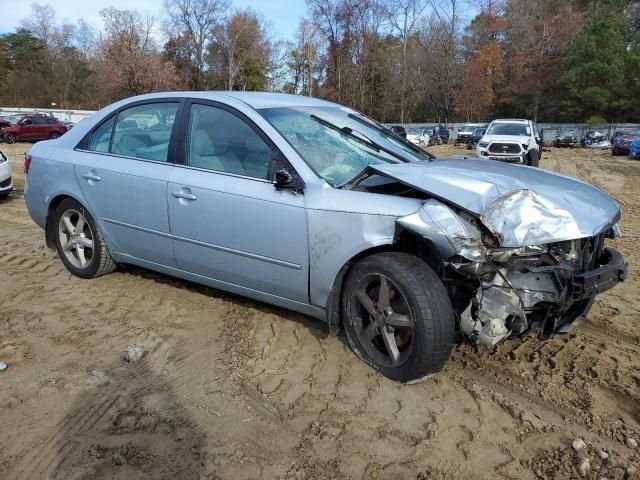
(506, 271)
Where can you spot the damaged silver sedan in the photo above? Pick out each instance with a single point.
(311, 206)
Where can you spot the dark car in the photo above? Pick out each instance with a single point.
(595, 138)
(440, 134)
(475, 137)
(621, 143)
(566, 138)
(33, 128)
(398, 130)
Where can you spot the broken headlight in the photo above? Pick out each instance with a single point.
(472, 269)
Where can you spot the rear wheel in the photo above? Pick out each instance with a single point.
(10, 138)
(54, 135)
(79, 242)
(397, 316)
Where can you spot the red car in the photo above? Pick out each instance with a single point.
(32, 128)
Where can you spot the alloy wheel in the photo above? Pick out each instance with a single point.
(76, 238)
(382, 320)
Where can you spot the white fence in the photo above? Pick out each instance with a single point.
(74, 116)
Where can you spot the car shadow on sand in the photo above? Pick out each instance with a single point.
(316, 327)
(129, 425)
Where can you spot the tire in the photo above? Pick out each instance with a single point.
(10, 138)
(533, 160)
(54, 135)
(416, 315)
(97, 259)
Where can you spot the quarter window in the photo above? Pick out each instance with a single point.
(221, 141)
(101, 136)
(142, 131)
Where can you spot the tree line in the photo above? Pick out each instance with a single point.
(395, 60)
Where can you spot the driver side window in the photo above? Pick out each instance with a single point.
(220, 141)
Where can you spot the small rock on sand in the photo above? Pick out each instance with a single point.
(3, 366)
(603, 455)
(631, 442)
(134, 353)
(583, 467)
(578, 444)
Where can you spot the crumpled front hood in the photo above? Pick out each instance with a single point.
(521, 205)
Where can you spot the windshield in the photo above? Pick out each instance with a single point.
(509, 129)
(339, 143)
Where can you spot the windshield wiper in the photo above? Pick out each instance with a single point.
(378, 126)
(359, 136)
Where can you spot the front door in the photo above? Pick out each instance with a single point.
(124, 172)
(228, 221)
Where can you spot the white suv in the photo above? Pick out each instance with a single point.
(5, 176)
(513, 141)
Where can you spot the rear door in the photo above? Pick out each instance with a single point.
(228, 221)
(123, 169)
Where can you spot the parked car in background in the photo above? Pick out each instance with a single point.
(6, 184)
(439, 135)
(32, 128)
(595, 139)
(7, 120)
(634, 148)
(511, 140)
(475, 137)
(566, 138)
(465, 132)
(419, 137)
(307, 205)
(621, 143)
(398, 130)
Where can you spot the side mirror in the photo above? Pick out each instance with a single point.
(282, 178)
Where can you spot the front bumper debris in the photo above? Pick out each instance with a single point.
(613, 270)
(548, 299)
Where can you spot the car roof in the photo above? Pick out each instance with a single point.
(253, 99)
(511, 120)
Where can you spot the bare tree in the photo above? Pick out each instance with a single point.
(404, 16)
(197, 20)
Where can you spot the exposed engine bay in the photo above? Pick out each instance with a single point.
(506, 272)
(548, 289)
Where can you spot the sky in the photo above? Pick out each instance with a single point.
(282, 14)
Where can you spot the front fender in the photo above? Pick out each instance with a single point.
(337, 237)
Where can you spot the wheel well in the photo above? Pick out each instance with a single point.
(49, 231)
(405, 242)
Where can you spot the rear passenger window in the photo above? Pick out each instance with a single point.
(144, 131)
(221, 141)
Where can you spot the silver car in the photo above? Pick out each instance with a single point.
(312, 206)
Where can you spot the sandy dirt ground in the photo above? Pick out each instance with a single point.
(234, 389)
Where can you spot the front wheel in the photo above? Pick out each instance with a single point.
(397, 316)
(10, 138)
(533, 159)
(79, 243)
